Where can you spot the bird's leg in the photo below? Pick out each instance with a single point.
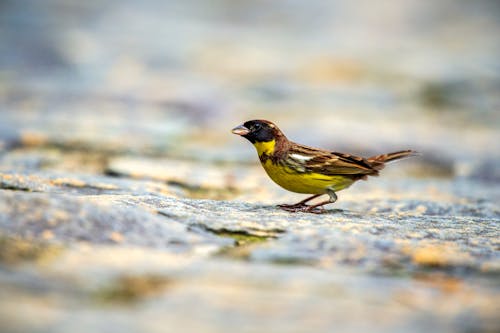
(299, 205)
(312, 208)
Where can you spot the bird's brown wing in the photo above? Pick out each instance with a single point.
(329, 163)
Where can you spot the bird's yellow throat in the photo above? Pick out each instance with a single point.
(266, 147)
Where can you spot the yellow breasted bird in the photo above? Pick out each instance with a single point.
(303, 169)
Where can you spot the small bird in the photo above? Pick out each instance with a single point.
(307, 170)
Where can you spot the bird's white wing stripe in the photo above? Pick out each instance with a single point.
(301, 157)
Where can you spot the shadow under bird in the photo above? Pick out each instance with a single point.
(308, 170)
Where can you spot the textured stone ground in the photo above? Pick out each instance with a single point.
(137, 255)
(126, 205)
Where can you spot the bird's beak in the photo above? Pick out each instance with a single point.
(240, 130)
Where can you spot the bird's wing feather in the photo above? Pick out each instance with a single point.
(329, 163)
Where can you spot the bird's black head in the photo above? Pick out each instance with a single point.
(258, 131)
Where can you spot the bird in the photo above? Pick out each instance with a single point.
(307, 170)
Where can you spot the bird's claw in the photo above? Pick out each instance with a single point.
(302, 208)
(294, 206)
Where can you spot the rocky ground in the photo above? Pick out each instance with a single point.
(127, 205)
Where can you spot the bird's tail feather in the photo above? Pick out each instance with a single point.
(378, 161)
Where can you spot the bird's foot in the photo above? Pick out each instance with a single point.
(295, 208)
(316, 210)
(292, 207)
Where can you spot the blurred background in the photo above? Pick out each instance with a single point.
(115, 114)
(171, 78)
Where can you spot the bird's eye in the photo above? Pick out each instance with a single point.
(257, 127)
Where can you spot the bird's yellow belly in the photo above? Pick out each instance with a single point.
(311, 183)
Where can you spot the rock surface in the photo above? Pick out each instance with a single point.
(125, 249)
